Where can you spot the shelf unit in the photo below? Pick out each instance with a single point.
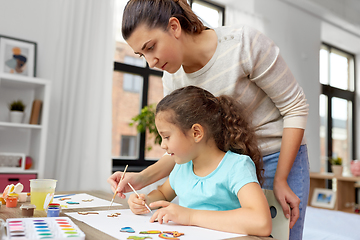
(345, 192)
(26, 138)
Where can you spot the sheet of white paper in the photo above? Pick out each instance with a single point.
(112, 226)
(96, 202)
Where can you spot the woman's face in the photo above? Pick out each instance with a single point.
(161, 49)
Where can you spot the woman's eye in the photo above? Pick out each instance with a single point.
(151, 48)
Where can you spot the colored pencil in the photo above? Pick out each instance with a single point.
(139, 196)
(116, 191)
(67, 195)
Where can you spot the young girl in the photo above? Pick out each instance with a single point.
(218, 165)
(237, 61)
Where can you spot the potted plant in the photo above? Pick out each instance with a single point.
(16, 108)
(336, 165)
(146, 121)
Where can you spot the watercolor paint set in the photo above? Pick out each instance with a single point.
(56, 228)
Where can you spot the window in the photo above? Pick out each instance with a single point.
(135, 85)
(337, 110)
(132, 82)
(212, 15)
(128, 145)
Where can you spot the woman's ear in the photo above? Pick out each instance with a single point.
(197, 132)
(174, 27)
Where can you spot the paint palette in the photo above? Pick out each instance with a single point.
(57, 228)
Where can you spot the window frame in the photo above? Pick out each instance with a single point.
(138, 163)
(220, 7)
(348, 95)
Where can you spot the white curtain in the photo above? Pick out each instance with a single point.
(80, 38)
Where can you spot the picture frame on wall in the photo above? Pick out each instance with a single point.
(17, 56)
(324, 198)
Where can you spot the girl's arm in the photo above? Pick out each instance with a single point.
(163, 192)
(253, 218)
(151, 174)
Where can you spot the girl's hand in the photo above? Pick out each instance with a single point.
(135, 180)
(286, 196)
(170, 212)
(137, 204)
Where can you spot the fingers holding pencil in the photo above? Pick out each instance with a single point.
(139, 196)
(137, 202)
(122, 187)
(116, 191)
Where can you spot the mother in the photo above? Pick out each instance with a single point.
(233, 60)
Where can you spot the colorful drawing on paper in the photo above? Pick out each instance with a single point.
(139, 238)
(127, 229)
(167, 236)
(150, 232)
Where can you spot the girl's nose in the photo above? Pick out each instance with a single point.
(163, 145)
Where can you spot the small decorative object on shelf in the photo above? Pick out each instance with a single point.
(17, 56)
(17, 108)
(336, 165)
(355, 168)
(12, 160)
(35, 112)
(28, 162)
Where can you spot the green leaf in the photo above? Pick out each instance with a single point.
(145, 120)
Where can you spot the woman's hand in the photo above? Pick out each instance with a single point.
(135, 179)
(170, 212)
(286, 196)
(137, 204)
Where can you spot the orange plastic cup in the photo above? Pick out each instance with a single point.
(11, 202)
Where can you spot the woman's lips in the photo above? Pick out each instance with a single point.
(163, 67)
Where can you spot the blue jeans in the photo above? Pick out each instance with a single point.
(298, 180)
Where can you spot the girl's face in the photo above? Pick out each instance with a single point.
(179, 145)
(161, 49)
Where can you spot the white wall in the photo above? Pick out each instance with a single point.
(29, 20)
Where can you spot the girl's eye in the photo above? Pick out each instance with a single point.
(151, 48)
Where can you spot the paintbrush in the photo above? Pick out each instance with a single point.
(139, 196)
(116, 191)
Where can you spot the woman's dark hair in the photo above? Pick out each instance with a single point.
(156, 14)
(223, 118)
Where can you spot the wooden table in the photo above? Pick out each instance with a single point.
(90, 232)
(345, 192)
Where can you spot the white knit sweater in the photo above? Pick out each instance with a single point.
(247, 66)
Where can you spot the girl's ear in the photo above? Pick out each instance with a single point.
(197, 132)
(174, 27)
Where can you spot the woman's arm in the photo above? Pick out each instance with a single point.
(290, 145)
(151, 174)
(253, 218)
(269, 71)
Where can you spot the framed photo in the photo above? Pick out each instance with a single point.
(17, 56)
(323, 197)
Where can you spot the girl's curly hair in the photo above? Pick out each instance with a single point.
(223, 118)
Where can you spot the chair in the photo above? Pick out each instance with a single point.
(280, 224)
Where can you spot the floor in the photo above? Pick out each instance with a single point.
(321, 224)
